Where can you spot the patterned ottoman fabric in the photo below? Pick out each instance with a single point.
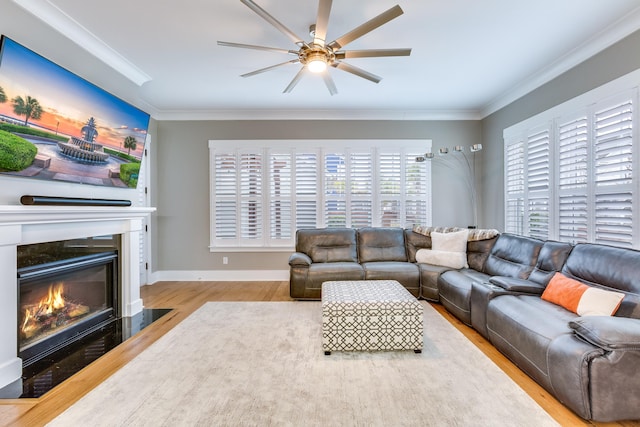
(370, 315)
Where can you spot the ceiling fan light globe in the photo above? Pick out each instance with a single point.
(317, 65)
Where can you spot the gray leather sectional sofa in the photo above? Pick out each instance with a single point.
(589, 363)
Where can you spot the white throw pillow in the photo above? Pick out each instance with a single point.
(451, 242)
(450, 259)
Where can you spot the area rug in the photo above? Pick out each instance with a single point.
(262, 364)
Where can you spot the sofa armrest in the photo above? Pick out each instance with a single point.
(608, 332)
(514, 284)
(298, 259)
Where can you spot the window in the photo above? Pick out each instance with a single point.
(569, 172)
(263, 191)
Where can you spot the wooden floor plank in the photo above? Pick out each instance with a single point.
(185, 297)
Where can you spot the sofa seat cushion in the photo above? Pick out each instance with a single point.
(406, 273)
(523, 327)
(429, 275)
(326, 271)
(455, 291)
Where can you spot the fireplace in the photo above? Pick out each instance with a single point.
(28, 225)
(66, 290)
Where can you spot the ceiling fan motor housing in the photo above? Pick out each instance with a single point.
(314, 52)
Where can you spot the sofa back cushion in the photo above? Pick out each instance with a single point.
(414, 242)
(478, 251)
(513, 256)
(328, 244)
(381, 244)
(550, 260)
(609, 268)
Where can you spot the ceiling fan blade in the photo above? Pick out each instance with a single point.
(295, 80)
(329, 82)
(253, 46)
(368, 26)
(371, 53)
(357, 71)
(322, 21)
(273, 21)
(262, 70)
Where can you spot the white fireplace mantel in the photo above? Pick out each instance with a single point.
(23, 225)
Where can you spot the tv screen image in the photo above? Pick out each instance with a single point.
(54, 125)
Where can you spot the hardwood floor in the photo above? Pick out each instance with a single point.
(185, 298)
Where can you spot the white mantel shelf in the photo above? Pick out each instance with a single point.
(22, 225)
(12, 214)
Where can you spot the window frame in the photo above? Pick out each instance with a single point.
(408, 149)
(594, 224)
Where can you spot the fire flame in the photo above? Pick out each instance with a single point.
(54, 300)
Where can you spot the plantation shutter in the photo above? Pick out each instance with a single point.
(389, 167)
(306, 179)
(613, 164)
(335, 178)
(251, 225)
(538, 167)
(260, 195)
(580, 185)
(573, 164)
(225, 196)
(361, 189)
(280, 203)
(514, 187)
(415, 191)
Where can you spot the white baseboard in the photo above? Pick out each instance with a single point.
(220, 276)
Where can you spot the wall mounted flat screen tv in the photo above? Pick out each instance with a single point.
(54, 125)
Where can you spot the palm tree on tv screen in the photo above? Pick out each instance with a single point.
(28, 107)
(3, 96)
(130, 143)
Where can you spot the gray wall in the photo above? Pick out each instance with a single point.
(616, 61)
(181, 185)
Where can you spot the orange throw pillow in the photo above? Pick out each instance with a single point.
(581, 299)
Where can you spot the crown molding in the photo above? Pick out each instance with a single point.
(73, 30)
(596, 44)
(278, 114)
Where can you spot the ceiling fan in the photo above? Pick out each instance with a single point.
(317, 55)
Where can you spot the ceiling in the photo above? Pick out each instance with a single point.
(468, 58)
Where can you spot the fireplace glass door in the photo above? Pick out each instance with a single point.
(64, 300)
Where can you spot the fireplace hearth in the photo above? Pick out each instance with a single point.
(67, 297)
(42, 376)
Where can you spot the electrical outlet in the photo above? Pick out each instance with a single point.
(225, 260)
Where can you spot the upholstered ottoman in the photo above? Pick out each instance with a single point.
(370, 315)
